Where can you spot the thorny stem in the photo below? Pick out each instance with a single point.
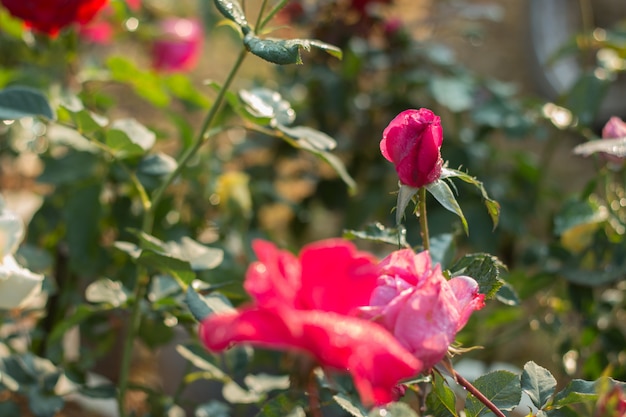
(421, 207)
(143, 280)
(314, 396)
(478, 395)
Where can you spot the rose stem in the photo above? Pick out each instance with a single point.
(479, 395)
(421, 206)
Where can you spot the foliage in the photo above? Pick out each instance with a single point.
(154, 184)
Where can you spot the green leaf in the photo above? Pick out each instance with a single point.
(199, 256)
(613, 146)
(332, 50)
(506, 295)
(586, 96)
(82, 213)
(182, 87)
(268, 104)
(9, 408)
(201, 359)
(538, 383)
(18, 101)
(441, 401)
(493, 208)
(128, 138)
(353, 407)
(265, 383)
(234, 393)
(212, 408)
(145, 83)
(577, 391)
(393, 410)
(181, 270)
(442, 249)
(99, 391)
(157, 165)
(86, 122)
(405, 195)
(308, 138)
(232, 10)
(502, 388)
(339, 167)
(455, 93)
(443, 194)
(378, 233)
(8, 382)
(106, 291)
(57, 172)
(285, 51)
(162, 286)
(486, 269)
(575, 212)
(203, 306)
(82, 313)
(43, 404)
(284, 405)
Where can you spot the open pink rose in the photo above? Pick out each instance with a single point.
(178, 45)
(50, 16)
(419, 306)
(412, 142)
(309, 304)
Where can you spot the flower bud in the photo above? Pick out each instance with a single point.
(412, 142)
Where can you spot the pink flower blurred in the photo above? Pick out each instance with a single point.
(51, 16)
(419, 306)
(412, 142)
(178, 45)
(613, 129)
(309, 304)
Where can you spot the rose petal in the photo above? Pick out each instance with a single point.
(374, 358)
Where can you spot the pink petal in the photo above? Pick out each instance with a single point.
(466, 292)
(375, 359)
(406, 264)
(274, 279)
(336, 277)
(427, 323)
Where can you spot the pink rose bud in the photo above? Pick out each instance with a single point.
(51, 16)
(422, 309)
(412, 142)
(178, 45)
(615, 128)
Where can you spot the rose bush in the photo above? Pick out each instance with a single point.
(412, 142)
(53, 15)
(419, 306)
(310, 304)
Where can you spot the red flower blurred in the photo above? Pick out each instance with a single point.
(51, 16)
(412, 142)
(178, 45)
(309, 304)
(419, 306)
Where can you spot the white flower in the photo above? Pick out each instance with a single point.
(17, 284)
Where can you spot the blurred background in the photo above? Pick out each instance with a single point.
(517, 83)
